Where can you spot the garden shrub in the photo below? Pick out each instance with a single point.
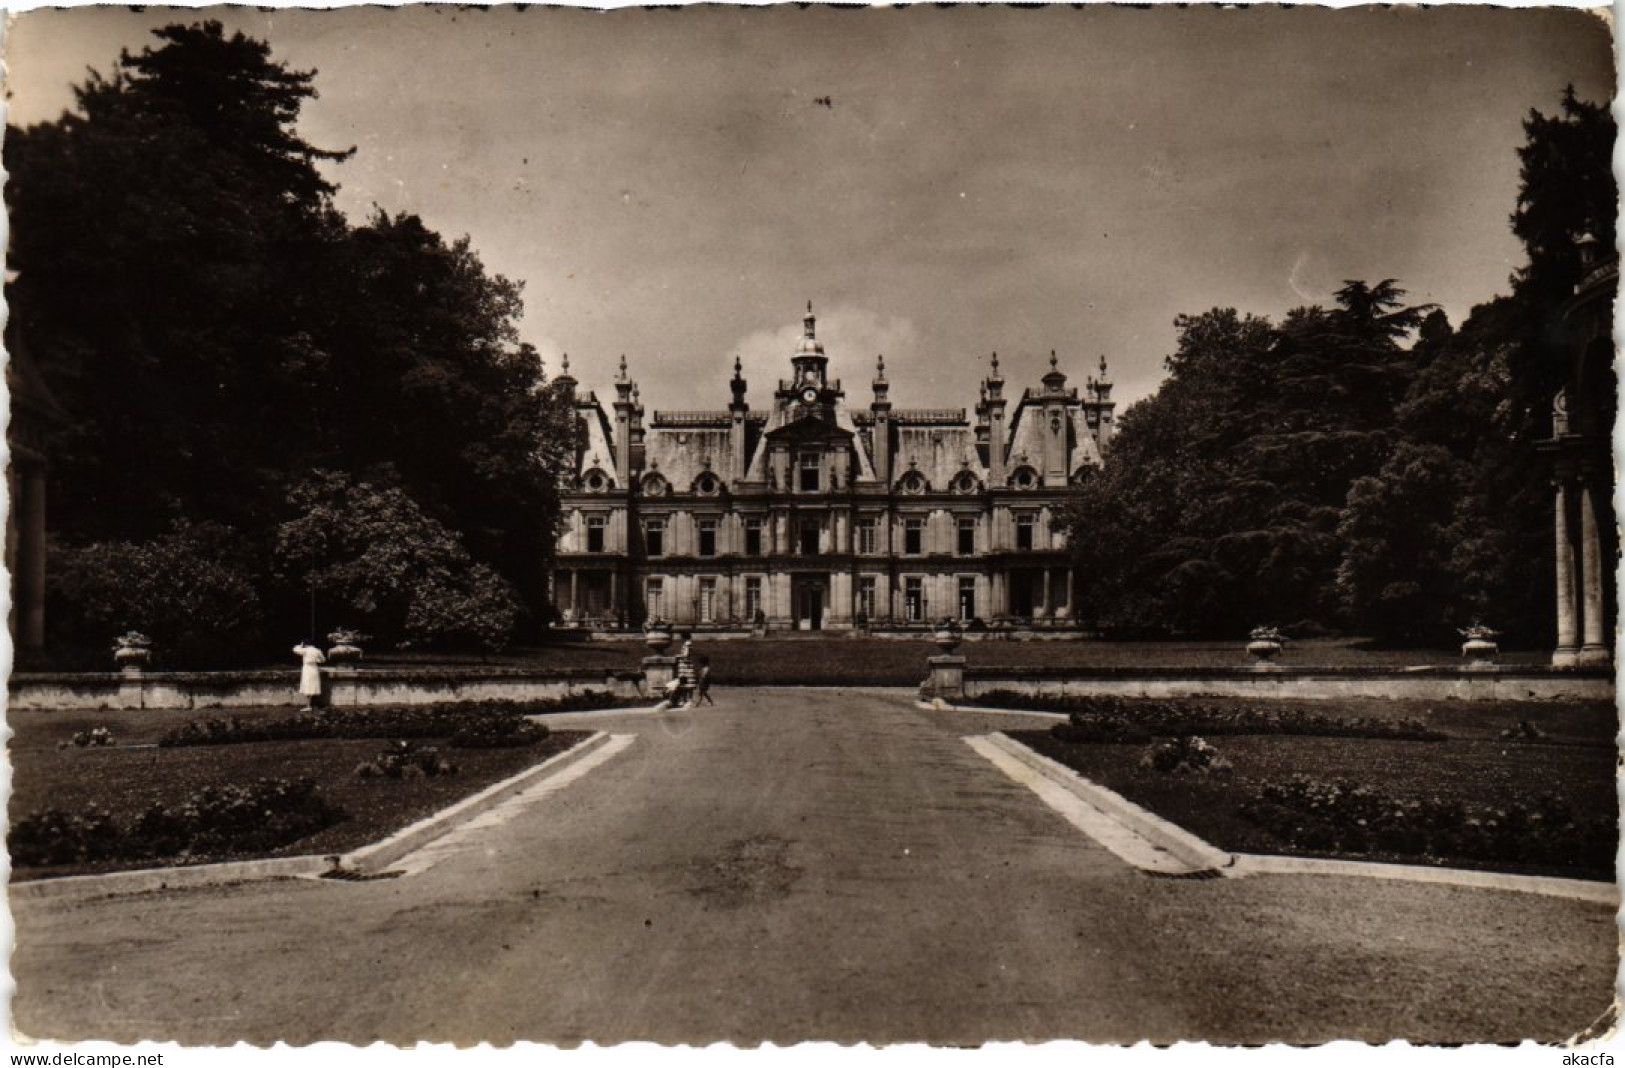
(57, 837)
(236, 818)
(473, 720)
(404, 760)
(1169, 719)
(1186, 755)
(1083, 729)
(1339, 815)
(1525, 731)
(94, 738)
(194, 590)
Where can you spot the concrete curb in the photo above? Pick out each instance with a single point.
(375, 857)
(1241, 865)
(939, 705)
(147, 879)
(1546, 885)
(1168, 837)
(366, 858)
(545, 718)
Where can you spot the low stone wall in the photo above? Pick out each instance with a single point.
(1433, 684)
(346, 687)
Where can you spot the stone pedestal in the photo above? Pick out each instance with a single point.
(340, 686)
(947, 680)
(1263, 653)
(1479, 654)
(658, 671)
(130, 686)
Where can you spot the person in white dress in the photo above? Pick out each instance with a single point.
(310, 676)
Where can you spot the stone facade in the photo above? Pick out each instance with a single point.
(816, 514)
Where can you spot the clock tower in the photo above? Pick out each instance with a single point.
(809, 361)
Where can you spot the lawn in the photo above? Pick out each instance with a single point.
(856, 661)
(1574, 763)
(134, 773)
(851, 660)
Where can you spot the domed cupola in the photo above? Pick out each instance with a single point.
(809, 360)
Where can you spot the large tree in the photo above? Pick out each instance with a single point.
(219, 332)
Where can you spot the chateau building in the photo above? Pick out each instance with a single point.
(815, 513)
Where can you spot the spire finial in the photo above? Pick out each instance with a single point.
(623, 367)
(738, 367)
(880, 367)
(1052, 359)
(564, 370)
(995, 363)
(1103, 365)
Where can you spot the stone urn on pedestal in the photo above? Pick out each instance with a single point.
(1480, 649)
(657, 636)
(947, 680)
(132, 651)
(1264, 646)
(658, 668)
(346, 648)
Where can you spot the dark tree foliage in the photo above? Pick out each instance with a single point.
(218, 331)
(1219, 504)
(1366, 466)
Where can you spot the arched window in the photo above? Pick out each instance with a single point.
(965, 482)
(596, 481)
(655, 486)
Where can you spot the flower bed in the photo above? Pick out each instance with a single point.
(1515, 803)
(215, 821)
(89, 787)
(1132, 719)
(468, 724)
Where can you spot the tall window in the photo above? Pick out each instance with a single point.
(595, 533)
(967, 597)
(967, 536)
(753, 597)
(1025, 525)
(913, 536)
(708, 600)
(654, 537)
(753, 537)
(654, 597)
(808, 463)
(866, 596)
(809, 532)
(868, 536)
(913, 600)
(708, 537)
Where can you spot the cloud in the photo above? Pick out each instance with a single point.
(852, 338)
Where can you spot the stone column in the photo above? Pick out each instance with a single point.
(1594, 651)
(615, 608)
(1567, 650)
(1043, 597)
(575, 604)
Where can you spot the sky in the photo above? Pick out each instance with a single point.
(667, 185)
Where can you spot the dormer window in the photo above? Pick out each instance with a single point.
(706, 485)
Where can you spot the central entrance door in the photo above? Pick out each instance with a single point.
(809, 604)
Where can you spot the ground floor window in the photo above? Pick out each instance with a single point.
(866, 597)
(653, 594)
(708, 600)
(913, 599)
(753, 597)
(967, 597)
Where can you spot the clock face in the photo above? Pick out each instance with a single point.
(809, 395)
